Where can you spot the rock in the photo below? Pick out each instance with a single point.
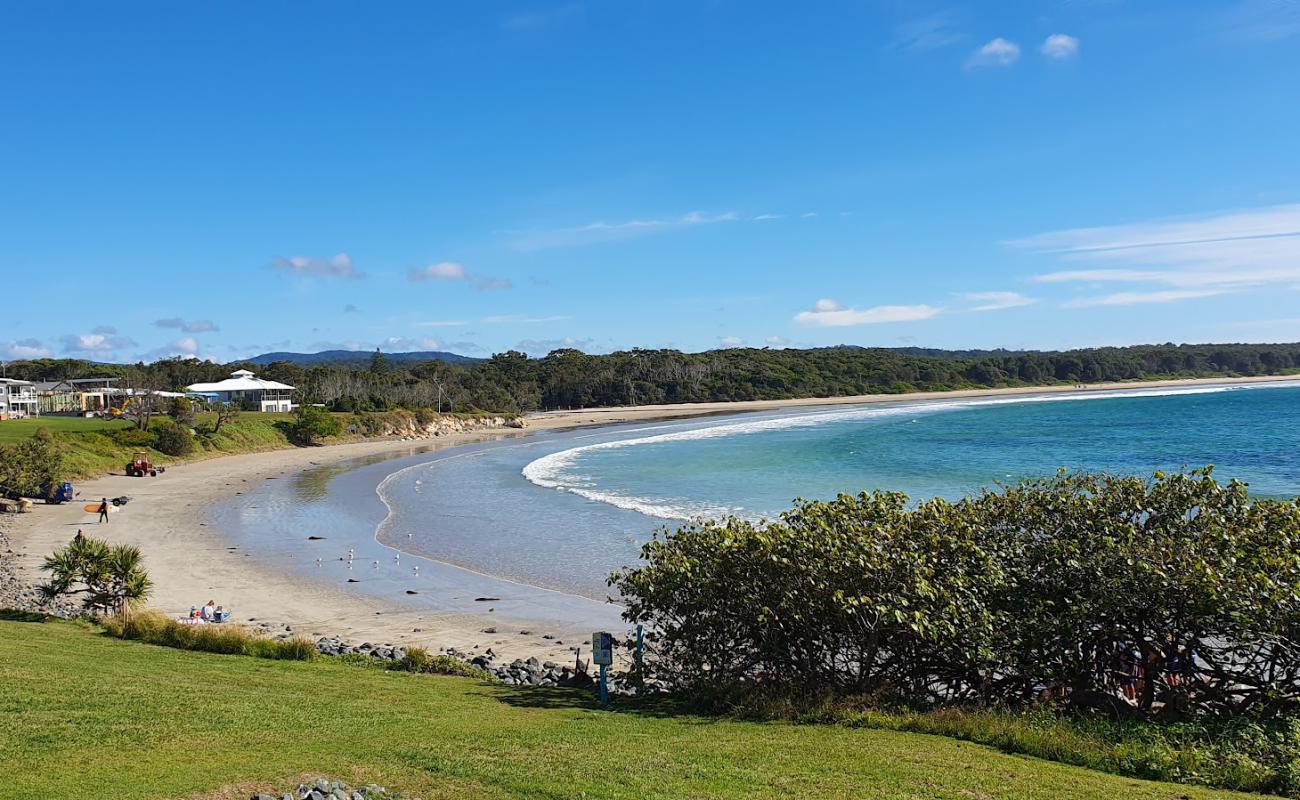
(489, 630)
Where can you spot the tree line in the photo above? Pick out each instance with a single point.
(512, 382)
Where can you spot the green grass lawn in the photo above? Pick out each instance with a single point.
(15, 430)
(86, 716)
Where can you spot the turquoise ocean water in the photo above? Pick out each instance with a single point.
(563, 510)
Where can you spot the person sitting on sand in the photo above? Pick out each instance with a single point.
(209, 610)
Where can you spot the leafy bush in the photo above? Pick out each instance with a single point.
(369, 424)
(154, 627)
(1180, 591)
(311, 424)
(30, 468)
(134, 437)
(181, 410)
(172, 439)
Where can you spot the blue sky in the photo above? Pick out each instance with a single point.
(220, 180)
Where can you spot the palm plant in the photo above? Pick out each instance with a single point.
(110, 578)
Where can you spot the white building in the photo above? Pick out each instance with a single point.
(17, 399)
(243, 388)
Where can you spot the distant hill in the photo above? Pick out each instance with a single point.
(360, 357)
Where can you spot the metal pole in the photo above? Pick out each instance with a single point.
(604, 688)
(640, 651)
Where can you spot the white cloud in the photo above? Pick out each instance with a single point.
(453, 271)
(442, 271)
(487, 284)
(731, 341)
(1060, 47)
(829, 313)
(523, 319)
(996, 301)
(808, 215)
(1234, 249)
(540, 347)
(997, 53)
(926, 33)
(399, 344)
(351, 346)
(95, 343)
(186, 347)
(24, 349)
(440, 323)
(776, 341)
(764, 217)
(1139, 298)
(339, 266)
(192, 326)
(601, 231)
(105, 329)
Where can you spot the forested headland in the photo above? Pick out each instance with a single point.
(512, 382)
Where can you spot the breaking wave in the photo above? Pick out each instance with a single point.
(561, 471)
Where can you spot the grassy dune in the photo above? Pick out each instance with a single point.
(91, 448)
(87, 716)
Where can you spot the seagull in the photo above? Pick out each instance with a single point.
(397, 557)
(376, 565)
(417, 570)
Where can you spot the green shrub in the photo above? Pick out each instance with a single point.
(172, 439)
(311, 424)
(370, 424)
(425, 416)
(227, 638)
(182, 412)
(31, 468)
(1065, 583)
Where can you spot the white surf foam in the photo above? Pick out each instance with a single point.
(557, 470)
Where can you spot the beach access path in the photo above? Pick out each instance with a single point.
(190, 561)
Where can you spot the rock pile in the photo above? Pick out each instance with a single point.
(334, 646)
(18, 596)
(520, 672)
(321, 789)
(445, 425)
(526, 672)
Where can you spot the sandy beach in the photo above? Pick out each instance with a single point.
(190, 561)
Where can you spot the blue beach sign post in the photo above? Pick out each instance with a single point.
(602, 654)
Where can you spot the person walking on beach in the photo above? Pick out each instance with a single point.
(103, 510)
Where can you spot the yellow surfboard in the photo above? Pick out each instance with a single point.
(93, 508)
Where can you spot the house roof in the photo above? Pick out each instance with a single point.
(239, 381)
(15, 382)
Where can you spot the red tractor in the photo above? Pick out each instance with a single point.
(141, 466)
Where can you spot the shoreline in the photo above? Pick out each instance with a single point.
(191, 561)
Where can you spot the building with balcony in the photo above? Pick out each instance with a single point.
(245, 389)
(17, 399)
